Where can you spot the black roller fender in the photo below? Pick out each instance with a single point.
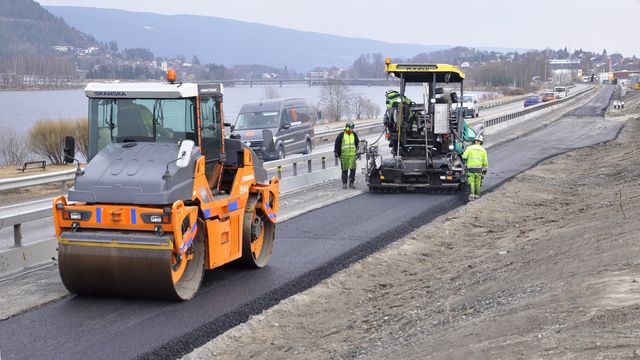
(233, 150)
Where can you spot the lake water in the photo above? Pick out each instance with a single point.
(21, 109)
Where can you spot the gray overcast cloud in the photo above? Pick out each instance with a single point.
(538, 24)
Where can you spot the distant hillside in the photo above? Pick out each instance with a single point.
(228, 42)
(27, 28)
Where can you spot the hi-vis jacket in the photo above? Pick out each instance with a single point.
(351, 144)
(393, 97)
(476, 157)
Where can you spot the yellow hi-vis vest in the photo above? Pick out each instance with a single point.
(348, 145)
(476, 157)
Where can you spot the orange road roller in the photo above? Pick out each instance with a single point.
(164, 195)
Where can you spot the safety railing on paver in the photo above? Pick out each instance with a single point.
(296, 173)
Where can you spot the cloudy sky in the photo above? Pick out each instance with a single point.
(538, 24)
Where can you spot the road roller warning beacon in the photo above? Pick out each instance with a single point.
(164, 196)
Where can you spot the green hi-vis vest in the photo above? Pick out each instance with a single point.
(394, 96)
(348, 145)
(476, 156)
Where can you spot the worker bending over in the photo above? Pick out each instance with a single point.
(346, 148)
(475, 157)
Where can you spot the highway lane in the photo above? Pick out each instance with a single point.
(308, 248)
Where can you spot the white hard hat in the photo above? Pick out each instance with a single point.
(480, 138)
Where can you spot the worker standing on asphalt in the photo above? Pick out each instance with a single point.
(475, 157)
(346, 148)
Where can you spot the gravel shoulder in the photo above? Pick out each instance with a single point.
(546, 266)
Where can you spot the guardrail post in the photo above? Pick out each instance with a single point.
(279, 172)
(17, 235)
(295, 169)
(309, 166)
(64, 186)
(324, 163)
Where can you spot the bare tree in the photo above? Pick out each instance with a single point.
(46, 138)
(371, 109)
(82, 137)
(358, 103)
(335, 99)
(13, 147)
(316, 114)
(271, 92)
(362, 107)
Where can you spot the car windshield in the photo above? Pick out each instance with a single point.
(559, 89)
(548, 94)
(467, 99)
(257, 120)
(532, 98)
(142, 120)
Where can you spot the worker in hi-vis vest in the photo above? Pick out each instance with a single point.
(475, 157)
(346, 148)
(393, 97)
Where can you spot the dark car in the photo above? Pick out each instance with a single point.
(548, 96)
(275, 128)
(532, 100)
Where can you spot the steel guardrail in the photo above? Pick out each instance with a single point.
(500, 102)
(10, 217)
(505, 117)
(39, 179)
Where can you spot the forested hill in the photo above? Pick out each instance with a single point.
(27, 28)
(229, 42)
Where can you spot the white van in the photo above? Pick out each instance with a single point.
(560, 92)
(470, 105)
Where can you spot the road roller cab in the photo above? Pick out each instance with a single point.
(163, 196)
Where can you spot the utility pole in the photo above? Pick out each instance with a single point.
(546, 79)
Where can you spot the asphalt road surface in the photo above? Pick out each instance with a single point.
(308, 249)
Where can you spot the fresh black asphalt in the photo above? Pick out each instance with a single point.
(308, 248)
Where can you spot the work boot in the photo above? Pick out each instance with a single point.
(352, 186)
(472, 197)
(344, 185)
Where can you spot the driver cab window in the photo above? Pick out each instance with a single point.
(133, 120)
(285, 118)
(175, 120)
(141, 120)
(211, 131)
